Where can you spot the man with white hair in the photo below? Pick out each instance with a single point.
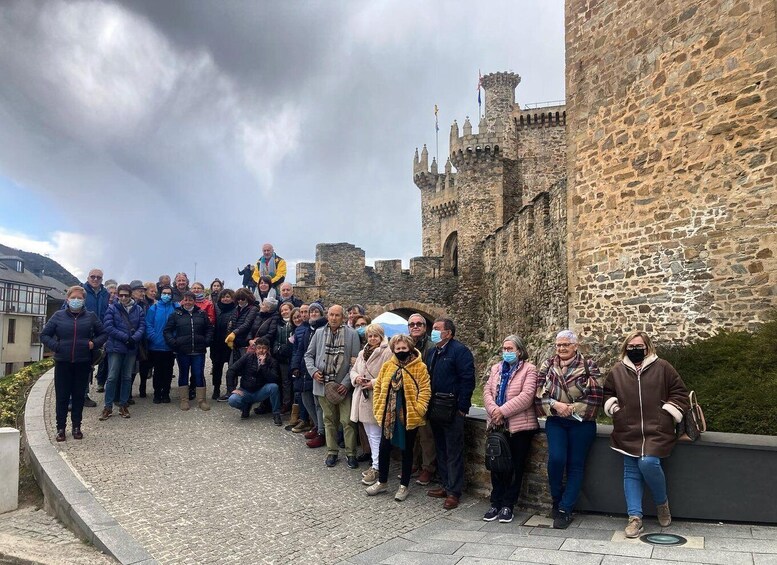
(270, 265)
(287, 295)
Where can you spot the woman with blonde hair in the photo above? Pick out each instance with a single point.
(646, 398)
(363, 374)
(401, 398)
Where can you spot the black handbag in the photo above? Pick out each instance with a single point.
(693, 423)
(499, 458)
(442, 408)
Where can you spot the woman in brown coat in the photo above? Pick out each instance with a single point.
(646, 398)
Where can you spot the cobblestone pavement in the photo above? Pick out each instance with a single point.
(31, 535)
(208, 487)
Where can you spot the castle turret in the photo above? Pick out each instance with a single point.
(500, 94)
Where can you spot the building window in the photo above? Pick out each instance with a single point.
(8, 368)
(11, 330)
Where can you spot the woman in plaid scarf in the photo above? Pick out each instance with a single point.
(569, 393)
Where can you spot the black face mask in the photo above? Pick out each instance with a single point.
(636, 356)
(402, 356)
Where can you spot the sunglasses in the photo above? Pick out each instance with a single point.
(124, 296)
(416, 325)
(95, 277)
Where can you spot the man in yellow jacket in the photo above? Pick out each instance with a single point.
(270, 265)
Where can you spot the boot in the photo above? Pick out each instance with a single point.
(202, 403)
(183, 392)
(294, 418)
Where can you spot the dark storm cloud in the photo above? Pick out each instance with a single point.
(233, 123)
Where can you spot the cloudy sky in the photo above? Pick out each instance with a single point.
(146, 136)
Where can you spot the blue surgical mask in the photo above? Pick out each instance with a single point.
(509, 356)
(360, 330)
(75, 303)
(166, 298)
(435, 337)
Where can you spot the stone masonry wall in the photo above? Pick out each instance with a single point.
(671, 110)
(340, 276)
(542, 150)
(525, 274)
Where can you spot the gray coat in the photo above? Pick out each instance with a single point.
(315, 358)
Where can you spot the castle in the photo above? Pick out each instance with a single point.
(647, 202)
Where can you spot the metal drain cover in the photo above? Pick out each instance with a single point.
(663, 539)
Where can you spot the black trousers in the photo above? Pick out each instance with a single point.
(70, 381)
(506, 487)
(162, 362)
(218, 356)
(384, 457)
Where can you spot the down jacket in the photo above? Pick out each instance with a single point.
(68, 333)
(241, 323)
(518, 409)
(188, 333)
(119, 332)
(361, 406)
(415, 384)
(645, 404)
(156, 319)
(254, 376)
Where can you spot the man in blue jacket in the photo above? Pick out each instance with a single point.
(452, 370)
(96, 301)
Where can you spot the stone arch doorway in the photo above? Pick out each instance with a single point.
(450, 253)
(405, 308)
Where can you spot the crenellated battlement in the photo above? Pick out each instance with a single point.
(553, 116)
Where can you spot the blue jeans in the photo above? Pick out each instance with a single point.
(245, 400)
(194, 362)
(120, 367)
(635, 471)
(568, 444)
(449, 443)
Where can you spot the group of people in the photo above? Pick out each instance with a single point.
(344, 384)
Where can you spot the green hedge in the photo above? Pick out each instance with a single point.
(13, 391)
(734, 375)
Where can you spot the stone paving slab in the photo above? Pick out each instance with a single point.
(197, 487)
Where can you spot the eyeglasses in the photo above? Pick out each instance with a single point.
(95, 278)
(635, 347)
(242, 300)
(124, 296)
(564, 345)
(416, 324)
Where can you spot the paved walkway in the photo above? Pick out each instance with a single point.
(207, 487)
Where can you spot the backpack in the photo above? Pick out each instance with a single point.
(499, 459)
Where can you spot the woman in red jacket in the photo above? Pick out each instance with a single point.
(509, 399)
(645, 397)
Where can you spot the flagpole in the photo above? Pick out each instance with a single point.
(436, 136)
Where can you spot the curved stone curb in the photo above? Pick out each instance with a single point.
(65, 495)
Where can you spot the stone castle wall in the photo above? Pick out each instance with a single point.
(671, 110)
(340, 276)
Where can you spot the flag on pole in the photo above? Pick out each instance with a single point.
(436, 123)
(480, 81)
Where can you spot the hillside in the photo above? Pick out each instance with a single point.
(35, 263)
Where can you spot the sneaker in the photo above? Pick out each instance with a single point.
(301, 426)
(491, 514)
(401, 493)
(276, 419)
(107, 413)
(223, 398)
(331, 460)
(351, 461)
(100, 388)
(424, 478)
(89, 403)
(370, 476)
(123, 412)
(376, 488)
(506, 515)
(664, 516)
(562, 521)
(634, 527)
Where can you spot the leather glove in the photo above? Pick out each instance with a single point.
(230, 340)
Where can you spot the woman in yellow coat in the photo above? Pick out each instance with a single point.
(401, 396)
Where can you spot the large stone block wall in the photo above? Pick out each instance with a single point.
(541, 145)
(671, 110)
(525, 281)
(340, 276)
